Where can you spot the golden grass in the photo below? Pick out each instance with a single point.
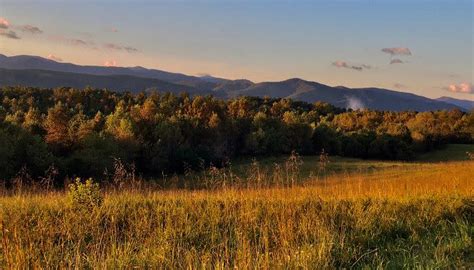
(418, 216)
(404, 182)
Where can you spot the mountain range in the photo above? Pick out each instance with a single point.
(36, 71)
(466, 104)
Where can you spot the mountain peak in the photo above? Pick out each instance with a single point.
(137, 68)
(295, 80)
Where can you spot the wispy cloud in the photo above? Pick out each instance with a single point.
(113, 46)
(112, 29)
(92, 45)
(343, 64)
(464, 87)
(4, 23)
(54, 58)
(30, 29)
(130, 49)
(9, 34)
(399, 85)
(396, 61)
(397, 51)
(110, 63)
(73, 41)
(27, 28)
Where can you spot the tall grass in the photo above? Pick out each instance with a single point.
(419, 217)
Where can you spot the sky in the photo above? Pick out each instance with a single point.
(424, 47)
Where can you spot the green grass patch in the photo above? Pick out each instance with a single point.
(342, 165)
(311, 167)
(450, 152)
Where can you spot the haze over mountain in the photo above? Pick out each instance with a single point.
(40, 72)
(466, 104)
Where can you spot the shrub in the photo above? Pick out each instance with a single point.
(85, 195)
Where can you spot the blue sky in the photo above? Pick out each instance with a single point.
(333, 42)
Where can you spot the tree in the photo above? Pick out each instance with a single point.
(19, 148)
(56, 126)
(324, 137)
(33, 121)
(119, 124)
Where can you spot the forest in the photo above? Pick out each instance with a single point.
(82, 132)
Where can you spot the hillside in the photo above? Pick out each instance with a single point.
(357, 98)
(25, 62)
(51, 79)
(466, 104)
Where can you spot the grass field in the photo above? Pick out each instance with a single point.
(450, 152)
(370, 214)
(342, 165)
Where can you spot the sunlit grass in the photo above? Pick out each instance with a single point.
(420, 215)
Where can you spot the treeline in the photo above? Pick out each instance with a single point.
(82, 132)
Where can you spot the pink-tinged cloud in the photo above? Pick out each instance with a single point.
(54, 58)
(340, 64)
(9, 34)
(399, 85)
(343, 64)
(397, 51)
(113, 46)
(4, 23)
(396, 61)
(113, 30)
(110, 63)
(466, 88)
(30, 29)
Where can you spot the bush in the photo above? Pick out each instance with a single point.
(18, 149)
(85, 195)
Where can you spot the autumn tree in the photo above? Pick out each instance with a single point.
(56, 126)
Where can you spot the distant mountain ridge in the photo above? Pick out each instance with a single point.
(40, 72)
(355, 98)
(52, 79)
(466, 104)
(22, 62)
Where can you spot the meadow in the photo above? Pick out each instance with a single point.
(346, 213)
